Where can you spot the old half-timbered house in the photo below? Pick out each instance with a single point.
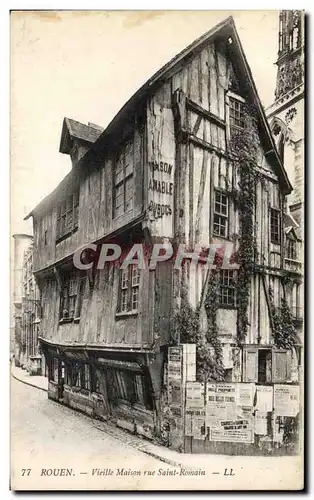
(188, 160)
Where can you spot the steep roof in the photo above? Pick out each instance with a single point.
(72, 129)
(224, 29)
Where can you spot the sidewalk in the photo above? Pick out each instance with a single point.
(23, 376)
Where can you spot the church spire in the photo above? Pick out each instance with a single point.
(290, 73)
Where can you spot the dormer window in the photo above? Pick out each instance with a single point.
(291, 247)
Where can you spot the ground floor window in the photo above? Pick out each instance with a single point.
(129, 386)
(53, 369)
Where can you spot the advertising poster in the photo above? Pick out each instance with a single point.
(174, 363)
(264, 398)
(286, 400)
(245, 394)
(221, 403)
(260, 423)
(233, 431)
(195, 394)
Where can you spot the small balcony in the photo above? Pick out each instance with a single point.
(293, 265)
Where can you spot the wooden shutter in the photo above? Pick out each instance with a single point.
(250, 365)
(281, 366)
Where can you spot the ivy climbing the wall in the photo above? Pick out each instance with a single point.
(244, 145)
(209, 357)
(284, 332)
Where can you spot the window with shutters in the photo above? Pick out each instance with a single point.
(123, 180)
(129, 289)
(281, 366)
(250, 365)
(264, 359)
(67, 216)
(72, 293)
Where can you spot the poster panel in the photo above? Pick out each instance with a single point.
(233, 431)
(221, 403)
(286, 400)
(264, 398)
(195, 394)
(260, 423)
(245, 394)
(174, 363)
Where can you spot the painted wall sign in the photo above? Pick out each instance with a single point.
(286, 400)
(161, 168)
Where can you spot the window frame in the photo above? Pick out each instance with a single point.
(126, 182)
(129, 289)
(68, 207)
(291, 251)
(233, 118)
(220, 215)
(275, 240)
(230, 287)
(76, 296)
(132, 389)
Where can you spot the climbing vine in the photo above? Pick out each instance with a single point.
(244, 144)
(209, 362)
(284, 332)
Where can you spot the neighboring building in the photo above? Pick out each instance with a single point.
(21, 242)
(189, 159)
(286, 119)
(30, 357)
(286, 114)
(27, 308)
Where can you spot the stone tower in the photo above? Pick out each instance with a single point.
(286, 114)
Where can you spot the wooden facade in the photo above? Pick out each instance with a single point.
(151, 177)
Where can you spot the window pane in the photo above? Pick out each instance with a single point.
(128, 158)
(119, 201)
(71, 306)
(125, 278)
(124, 299)
(129, 193)
(135, 298)
(69, 223)
(119, 176)
(135, 275)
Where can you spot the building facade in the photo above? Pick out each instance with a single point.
(286, 119)
(286, 114)
(28, 314)
(21, 242)
(189, 160)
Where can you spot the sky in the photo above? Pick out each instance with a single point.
(86, 64)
